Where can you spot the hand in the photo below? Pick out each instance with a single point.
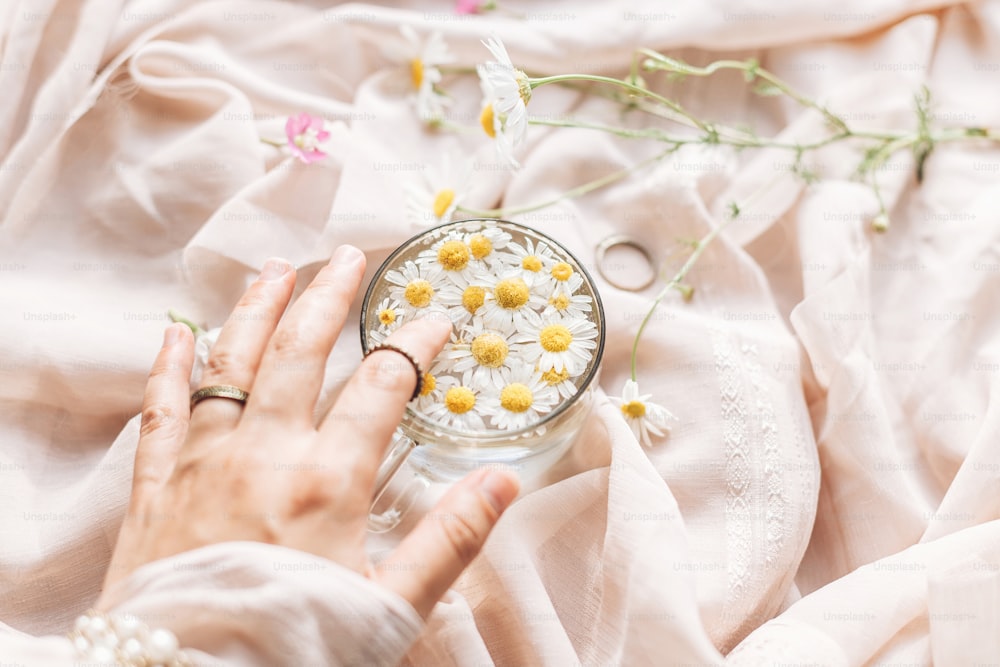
(265, 471)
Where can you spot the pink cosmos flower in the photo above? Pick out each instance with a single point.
(474, 6)
(305, 133)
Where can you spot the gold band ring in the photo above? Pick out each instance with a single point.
(219, 391)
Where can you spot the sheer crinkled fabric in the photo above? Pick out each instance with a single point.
(828, 495)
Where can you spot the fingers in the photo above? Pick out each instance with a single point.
(291, 372)
(430, 558)
(164, 412)
(358, 428)
(236, 355)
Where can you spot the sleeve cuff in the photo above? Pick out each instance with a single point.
(250, 603)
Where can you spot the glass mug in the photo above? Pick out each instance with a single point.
(434, 452)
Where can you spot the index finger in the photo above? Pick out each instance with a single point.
(358, 428)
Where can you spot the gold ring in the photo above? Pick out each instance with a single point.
(613, 242)
(219, 391)
(409, 357)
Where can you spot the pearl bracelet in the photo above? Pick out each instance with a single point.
(122, 639)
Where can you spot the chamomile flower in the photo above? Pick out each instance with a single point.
(423, 59)
(487, 245)
(644, 417)
(560, 380)
(415, 285)
(463, 300)
(509, 300)
(565, 303)
(523, 397)
(559, 343)
(507, 91)
(390, 314)
(535, 261)
(459, 407)
(481, 354)
(433, 199)
(430, 393)
(562, 277)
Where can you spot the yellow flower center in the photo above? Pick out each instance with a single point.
(516, 397)
(555, 338)
(430, 384)
(531, 263)
(453, 255)
(459, 400)
(481, 246)
(554, 377)
(473, 298)
(443, 201)
(387, 316)
(511, 293)
(560, 301)
(486, 120)
(635, 409)
(562, 271)
(417, 72)
(419, 293)
(489, 350)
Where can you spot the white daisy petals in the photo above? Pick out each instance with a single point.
(524, 336)
(645, 418)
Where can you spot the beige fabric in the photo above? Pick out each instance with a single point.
(132, 180)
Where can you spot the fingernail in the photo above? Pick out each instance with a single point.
(346, 254)
(172, 334)
(274, 269)
(500, 489)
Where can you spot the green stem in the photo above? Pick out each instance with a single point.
(677, 282)
(273, 142)
(659, 61)
(632, 88)
(578, 191)
(177, 317)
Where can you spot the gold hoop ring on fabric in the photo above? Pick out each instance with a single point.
(219, 391)
(409, 357)
(621, 240)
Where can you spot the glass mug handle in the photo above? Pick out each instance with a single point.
(388, 518)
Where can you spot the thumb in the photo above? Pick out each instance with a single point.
(429, 560)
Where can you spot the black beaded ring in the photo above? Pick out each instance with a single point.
(409, 357)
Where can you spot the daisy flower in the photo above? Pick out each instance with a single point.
(423, 59)
(390, 314)
(415, 285)
(430, 393)
(453, 257)
(485, 245)
(481, 354)
(644, 417)
(459, 407)
(559, 343)
(565, 303)
(535, 261)
(507, 91)
(523, 397)
(463, 300)
(434, 198)
(560, 380)
(509, 300)
(305, 134)
(561, 277)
